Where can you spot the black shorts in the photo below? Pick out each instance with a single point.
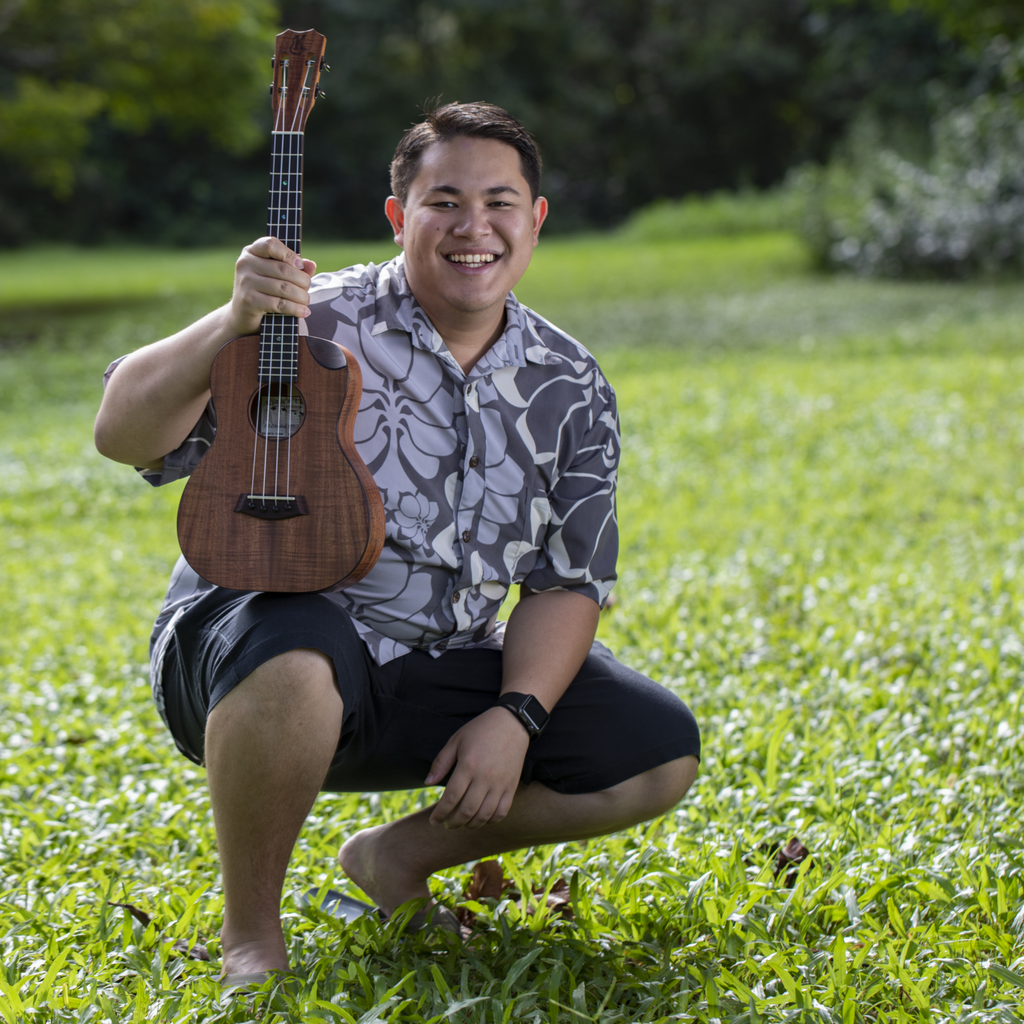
(611, 724)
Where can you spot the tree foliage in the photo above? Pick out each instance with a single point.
(74, 68)
(630, 100)
(975, 21)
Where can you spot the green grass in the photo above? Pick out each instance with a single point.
(721, 213)
(821, 550)
(61, 276)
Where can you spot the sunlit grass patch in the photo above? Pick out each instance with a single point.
(821, 550)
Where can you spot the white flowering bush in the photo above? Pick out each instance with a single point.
(881, 215)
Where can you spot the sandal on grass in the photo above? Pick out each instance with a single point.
(346, 908)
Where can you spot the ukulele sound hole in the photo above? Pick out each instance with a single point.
(277, 411)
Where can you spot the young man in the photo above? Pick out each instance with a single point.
(494, 441)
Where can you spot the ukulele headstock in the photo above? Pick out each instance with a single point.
(298, 61)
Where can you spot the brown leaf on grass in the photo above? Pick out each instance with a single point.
(794, 852)
(140, 915)
(558, 898)
(196, 952)
(488, 880)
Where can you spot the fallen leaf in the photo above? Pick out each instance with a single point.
(794, 852)
(488, 880)
(196, 952)
(558, 898)
(140, 915)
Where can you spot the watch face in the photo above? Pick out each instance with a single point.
(528, 710)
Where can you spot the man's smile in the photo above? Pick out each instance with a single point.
(472, 258)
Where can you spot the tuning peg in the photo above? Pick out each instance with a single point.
(320, 94)
(324, 66)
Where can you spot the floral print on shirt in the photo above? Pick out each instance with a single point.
(502, 475)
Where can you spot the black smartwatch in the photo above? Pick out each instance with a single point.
(528, 710)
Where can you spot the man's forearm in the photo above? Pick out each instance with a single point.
(547, 639)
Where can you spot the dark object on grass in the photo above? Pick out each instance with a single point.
(793, 853)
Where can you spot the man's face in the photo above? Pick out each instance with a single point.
(468, 228)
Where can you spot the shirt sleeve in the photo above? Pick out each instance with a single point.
(581, 542)
(183, 460)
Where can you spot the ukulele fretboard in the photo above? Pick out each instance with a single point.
(284, 211)
(279, 335)
(279, 349)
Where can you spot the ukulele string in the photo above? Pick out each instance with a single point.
(269, 328)
(295, 173)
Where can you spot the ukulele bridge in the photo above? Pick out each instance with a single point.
(272, 506)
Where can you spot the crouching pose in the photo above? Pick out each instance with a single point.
(493, 439)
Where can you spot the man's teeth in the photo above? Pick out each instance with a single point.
(476, 257)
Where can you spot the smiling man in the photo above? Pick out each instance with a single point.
(494, 441)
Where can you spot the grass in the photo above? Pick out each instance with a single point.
(721, 213)
(821, 550)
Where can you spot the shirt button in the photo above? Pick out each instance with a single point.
(455, 599)
(474, 461)
(466, 535)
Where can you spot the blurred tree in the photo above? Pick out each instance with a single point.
(75, 70)
(975, 21)
(630, 100)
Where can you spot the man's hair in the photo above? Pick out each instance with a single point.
(475, 120)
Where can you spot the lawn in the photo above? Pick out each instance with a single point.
(821, 513)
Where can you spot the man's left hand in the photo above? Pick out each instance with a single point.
(488, 755)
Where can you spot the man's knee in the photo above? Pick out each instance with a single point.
(294, 678)
(659, 789)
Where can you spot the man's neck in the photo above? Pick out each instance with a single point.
(469, 337)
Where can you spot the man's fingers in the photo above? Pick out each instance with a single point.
(270, 278)
(442, 763)
(272, 248)
(486, 812)
(464, 809)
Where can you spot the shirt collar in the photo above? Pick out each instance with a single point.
(397, 310)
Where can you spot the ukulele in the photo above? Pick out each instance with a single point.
(281, 501)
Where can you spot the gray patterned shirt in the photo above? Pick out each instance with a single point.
(502, 475)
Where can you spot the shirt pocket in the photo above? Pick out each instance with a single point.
(520, 556)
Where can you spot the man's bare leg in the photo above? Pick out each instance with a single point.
(269, 744)
(391, 863)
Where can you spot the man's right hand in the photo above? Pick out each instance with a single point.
(269, 278)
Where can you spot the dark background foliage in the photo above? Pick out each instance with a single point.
(630, 100)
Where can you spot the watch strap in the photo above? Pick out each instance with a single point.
(528, 710)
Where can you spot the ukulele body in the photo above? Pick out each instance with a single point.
(276, 504)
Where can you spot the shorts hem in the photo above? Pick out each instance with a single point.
(262, 652)
(623, 770)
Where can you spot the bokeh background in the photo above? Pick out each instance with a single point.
(889, 130)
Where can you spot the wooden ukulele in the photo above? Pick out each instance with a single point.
(282, 501)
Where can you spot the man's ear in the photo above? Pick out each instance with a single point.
(395, 213)
(540, 212)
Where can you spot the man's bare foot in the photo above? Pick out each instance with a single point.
(252, 957)
(370, 861)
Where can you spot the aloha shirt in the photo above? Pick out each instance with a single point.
(502, 475)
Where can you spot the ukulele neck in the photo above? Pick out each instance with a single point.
(279, 335)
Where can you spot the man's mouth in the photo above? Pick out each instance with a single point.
(471, 259)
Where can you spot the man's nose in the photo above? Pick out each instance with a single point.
(474, 224)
